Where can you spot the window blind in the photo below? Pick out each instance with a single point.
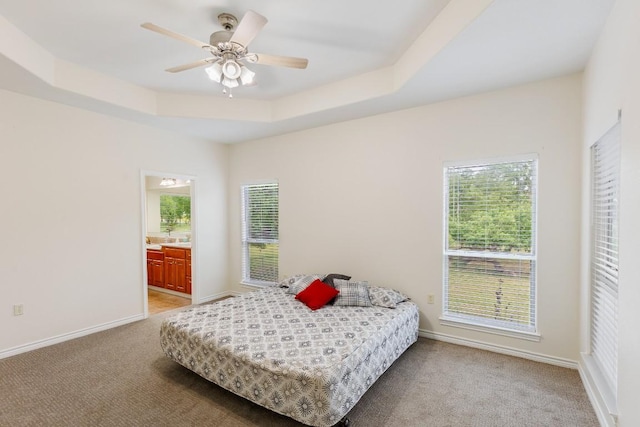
(260, 233)
(605, 158)
(489, 252)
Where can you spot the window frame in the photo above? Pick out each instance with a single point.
(246, 241)
(468, 321)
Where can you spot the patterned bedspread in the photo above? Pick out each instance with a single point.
(312, 366)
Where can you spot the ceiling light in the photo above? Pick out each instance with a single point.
(230, 83)
(230, 73)
(246, 76)
(215, 72)
(231, 69)
(167, 182)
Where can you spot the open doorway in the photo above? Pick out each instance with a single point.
(168, 234)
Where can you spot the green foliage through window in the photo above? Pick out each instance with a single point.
(490, 207)
(175, 212)
(489, 253)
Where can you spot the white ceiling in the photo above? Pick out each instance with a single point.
(364, 57)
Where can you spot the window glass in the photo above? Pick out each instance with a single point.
(489, 252)
(260, 233)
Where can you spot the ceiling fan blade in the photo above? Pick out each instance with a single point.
(248, 28)
(172, 34)
(282, 61)
(191, 65)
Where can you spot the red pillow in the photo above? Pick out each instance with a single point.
(317, 294)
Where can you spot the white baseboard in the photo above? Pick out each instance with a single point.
(68, 336)
(600, 395)
(558, 361)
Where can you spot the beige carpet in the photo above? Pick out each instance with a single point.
(120, 377)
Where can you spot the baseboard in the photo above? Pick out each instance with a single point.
(600, 395)
(68, 336)
(558, 361)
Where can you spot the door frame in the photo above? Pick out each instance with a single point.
(194, 235)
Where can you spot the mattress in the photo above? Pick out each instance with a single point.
(266, 346)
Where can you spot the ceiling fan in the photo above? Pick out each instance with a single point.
(228, 49)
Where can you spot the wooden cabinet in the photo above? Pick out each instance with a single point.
(170, 268)
(175, 269)
(155, 268)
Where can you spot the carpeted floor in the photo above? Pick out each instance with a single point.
(120, 377)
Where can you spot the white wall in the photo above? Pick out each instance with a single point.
(364, 198)
(611, 83)
(71, 220)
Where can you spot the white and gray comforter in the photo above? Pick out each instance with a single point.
(312, 366)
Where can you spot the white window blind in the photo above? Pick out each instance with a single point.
(605, 158)
(489, 249)
(260, 233)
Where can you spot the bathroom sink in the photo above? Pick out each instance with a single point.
(178, 244)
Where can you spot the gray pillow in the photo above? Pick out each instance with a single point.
(330, 277)
(385, 297)
(352, 293)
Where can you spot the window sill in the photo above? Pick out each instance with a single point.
(473, 326)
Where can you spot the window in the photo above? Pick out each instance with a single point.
(605, 170)
(175, 213)
(260, 234)
(489, 249)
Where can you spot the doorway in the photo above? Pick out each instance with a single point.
(169, 240)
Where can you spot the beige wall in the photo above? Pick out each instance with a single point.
(611, 83)
(71, 219)
(364, 198)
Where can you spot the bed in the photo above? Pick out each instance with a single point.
(270, 348)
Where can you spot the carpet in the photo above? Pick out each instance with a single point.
(120, 377)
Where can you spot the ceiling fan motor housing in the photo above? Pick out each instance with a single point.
(220, 37)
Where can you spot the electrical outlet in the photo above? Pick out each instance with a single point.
(18, 310)
(431, 299)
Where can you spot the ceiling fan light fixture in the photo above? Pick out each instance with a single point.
(214, 71)
(231, 69)
(246, 76)
(230, 83)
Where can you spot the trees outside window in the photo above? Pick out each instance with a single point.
(175, 212)
(489, 250)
